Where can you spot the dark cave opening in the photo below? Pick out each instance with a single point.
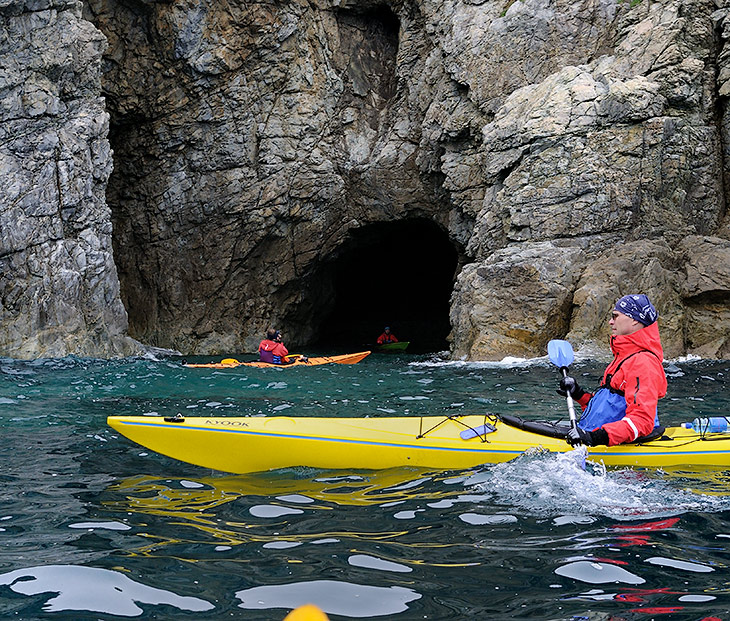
(399, 274)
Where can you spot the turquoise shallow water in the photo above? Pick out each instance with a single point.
(95, 527)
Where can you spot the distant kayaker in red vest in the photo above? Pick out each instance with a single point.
(624, 408)
(387, 337)
(271, 349)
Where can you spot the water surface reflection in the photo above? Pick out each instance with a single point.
(94, 590)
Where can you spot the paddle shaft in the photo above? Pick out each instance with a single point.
(571, 408)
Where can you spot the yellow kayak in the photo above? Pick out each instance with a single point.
(252, 444)
(299, 361)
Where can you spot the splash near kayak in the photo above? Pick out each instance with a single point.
(252, 444)
(299, 361)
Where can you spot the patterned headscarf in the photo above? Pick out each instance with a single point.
(638, 307)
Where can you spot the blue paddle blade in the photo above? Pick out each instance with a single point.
(560, 353)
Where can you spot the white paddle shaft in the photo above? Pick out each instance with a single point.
(571, 409)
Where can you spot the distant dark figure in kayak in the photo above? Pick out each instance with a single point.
(272, 349)
(387, 337)
(624, 408)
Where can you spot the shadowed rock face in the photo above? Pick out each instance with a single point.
(274, 135)
(550, 156)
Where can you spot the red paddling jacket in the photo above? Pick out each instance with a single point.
(271, 351)
(625, 404)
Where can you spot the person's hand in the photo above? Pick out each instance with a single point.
(578, 436)
(568, 386)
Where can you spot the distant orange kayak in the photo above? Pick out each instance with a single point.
(301, 361)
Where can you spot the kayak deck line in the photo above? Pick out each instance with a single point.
(286, 436)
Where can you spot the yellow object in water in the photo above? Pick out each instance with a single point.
(308, 612)
(254, 444)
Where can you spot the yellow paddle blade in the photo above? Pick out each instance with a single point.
(230, 361)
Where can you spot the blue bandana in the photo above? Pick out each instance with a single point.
(638, 307)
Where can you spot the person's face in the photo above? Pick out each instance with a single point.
(623, 324)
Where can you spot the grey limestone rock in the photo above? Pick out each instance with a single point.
(59, 290)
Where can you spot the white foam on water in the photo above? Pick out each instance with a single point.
(556, 484)
(506, 363)
(276, 385)
(688, 358)
(582, 354)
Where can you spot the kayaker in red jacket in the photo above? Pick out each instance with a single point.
(387, 337)
(271, 349)
(624, 408)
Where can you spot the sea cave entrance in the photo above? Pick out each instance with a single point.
(398, 274)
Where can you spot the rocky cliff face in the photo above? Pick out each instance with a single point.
(537, 160)
(608, 177)
(59, 291)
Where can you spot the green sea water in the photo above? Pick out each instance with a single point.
(93, 526)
